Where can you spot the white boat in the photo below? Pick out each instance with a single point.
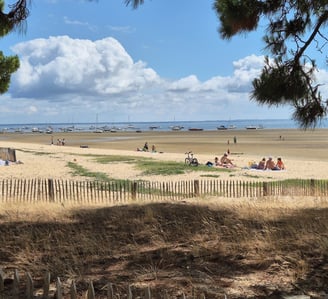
(254, 127)
(130, 126)
(49, 130)
(154, 127)
(176, 128)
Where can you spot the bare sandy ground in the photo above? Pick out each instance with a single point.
(303, 152)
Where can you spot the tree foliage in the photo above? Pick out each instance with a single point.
(9, 21)
(292, 27)
(8, 65)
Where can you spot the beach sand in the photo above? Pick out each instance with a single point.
(303, 152)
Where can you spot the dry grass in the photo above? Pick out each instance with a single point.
(211, 246)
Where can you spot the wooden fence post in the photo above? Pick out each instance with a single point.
(148, 293)
(129, 293)
(2, 284)
(91, 291)
(59, 292)
(110, 291)
(312, 183)
(46, 285)
(134, 190)
(29, 286)
(265, 189)
(73, 290)
(16, 285)
(196, 187)
(51, 190)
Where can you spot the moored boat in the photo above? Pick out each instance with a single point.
(195, 129)
(254, 127)
(176, 128)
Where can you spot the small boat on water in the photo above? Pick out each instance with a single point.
(254, 127)
(154, 127)
(222, 127)
(196, 129)
(176, 128)
(98, 130)
(49, 130)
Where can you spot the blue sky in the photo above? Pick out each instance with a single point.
(161, 62)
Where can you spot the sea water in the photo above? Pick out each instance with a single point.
(157, 126)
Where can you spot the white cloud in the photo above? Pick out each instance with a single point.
(61, 65)
(121, 29)
(61, 76)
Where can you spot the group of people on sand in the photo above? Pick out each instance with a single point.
(145, 148)
(59, 141)
(224, 161)
(264, 164)
(269, 164)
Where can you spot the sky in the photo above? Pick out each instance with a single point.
(87, 60)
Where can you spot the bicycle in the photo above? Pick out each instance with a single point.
(190, 160)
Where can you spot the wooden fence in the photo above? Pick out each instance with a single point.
(24, 287)
(61, 191)
(16, 287)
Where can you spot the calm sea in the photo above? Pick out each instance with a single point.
(158, 126)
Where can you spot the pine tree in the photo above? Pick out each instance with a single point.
(10, 21)
(292, 27)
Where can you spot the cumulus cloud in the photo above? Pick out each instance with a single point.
(60, 76)
(61, 65)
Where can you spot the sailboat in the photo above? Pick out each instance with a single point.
(97, 129)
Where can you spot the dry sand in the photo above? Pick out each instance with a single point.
(304, 153)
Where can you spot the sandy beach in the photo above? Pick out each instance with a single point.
(303, 152)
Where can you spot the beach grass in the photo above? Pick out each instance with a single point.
(242, 248)
(206, 246)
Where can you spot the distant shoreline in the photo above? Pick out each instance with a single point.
(214, 125)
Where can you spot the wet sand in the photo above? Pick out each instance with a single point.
(304, 152)
(312, 144)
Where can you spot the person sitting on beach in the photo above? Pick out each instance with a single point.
(261, 164)
(145, 148)
(153, 148)
(217, 162)
(225, 161)
(270, 165)
(280, 164)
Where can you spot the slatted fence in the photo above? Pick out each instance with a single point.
(56, 190)
(16, 286)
